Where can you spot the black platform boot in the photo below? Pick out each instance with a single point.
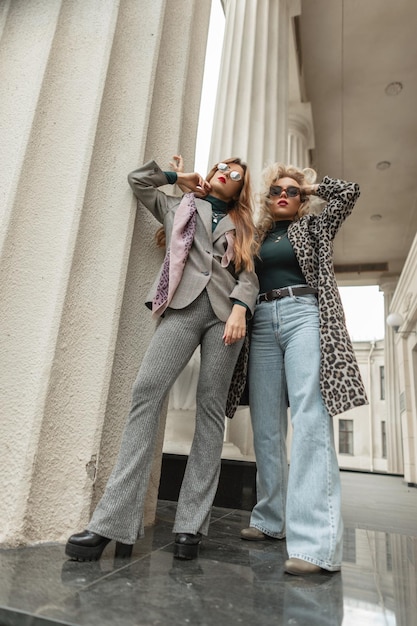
(187, 545)
(88, 546)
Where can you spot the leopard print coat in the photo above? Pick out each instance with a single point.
(312, 240)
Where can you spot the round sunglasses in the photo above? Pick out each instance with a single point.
(225, 167)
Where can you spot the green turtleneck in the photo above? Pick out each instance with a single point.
(277, 266)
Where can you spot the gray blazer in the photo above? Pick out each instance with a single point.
(203, 268)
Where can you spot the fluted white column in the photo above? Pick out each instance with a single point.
(251, 113)
(395, 457)
(300, 134)
(88, 90)
(404, 302)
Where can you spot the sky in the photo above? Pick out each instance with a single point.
(208, 95)
(364, 306)
(364, 312)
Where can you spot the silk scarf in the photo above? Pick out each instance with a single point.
(176, 255)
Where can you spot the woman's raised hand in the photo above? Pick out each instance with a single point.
(189, 181)
(194, 182)
(177, 163)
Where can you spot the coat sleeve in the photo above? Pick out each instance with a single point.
(246, 289)
(144, 183)
(341, 197)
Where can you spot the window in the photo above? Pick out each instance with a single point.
(346, 437)
(382, 382)
(384, 439)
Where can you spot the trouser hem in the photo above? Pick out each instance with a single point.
(309, 559)
(105, 532)
(268, 532)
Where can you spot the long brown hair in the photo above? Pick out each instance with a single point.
(241, 213)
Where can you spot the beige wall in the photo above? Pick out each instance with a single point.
(89, 90)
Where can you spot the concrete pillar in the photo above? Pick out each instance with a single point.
(395, 456)
(405, 343)
(406, 347)
(300, 134)
(251, 116)
(300, 116)
(88, 91)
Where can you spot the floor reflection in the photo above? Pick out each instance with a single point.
(233, 581)
(314, 601)
(380, 581)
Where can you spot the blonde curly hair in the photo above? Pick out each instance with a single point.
(270, 175)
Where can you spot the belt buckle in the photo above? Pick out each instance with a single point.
(275, 293)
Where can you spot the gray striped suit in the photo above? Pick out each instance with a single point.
(196, 316)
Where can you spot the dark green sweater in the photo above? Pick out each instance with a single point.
(277, 265)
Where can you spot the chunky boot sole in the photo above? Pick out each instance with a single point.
(86, 553)
(123, 550)
(89, 553)
(187, 545)
(186, 550)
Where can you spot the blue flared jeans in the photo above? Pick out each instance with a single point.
(302, 501)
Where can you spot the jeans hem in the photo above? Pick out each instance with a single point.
(323, 564)
(268, 532)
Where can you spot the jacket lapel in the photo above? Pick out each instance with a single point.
(204, 211)
(222, 227)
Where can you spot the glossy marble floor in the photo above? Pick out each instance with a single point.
(233, 581)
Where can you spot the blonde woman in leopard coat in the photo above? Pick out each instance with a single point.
(301, 356)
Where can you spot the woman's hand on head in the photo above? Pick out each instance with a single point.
(310, 190)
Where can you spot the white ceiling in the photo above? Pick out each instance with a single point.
(350, 51)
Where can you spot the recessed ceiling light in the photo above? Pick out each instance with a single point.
(376, 217)
(383, 165)
(393, 89)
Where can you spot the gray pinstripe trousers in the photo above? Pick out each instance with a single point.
(119, 514)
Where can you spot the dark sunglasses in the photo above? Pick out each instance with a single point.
(292, 192)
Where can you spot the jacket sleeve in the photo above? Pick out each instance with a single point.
(341, 197)
(144, 183)
(246, 290)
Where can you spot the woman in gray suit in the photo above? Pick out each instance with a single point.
(203, 295)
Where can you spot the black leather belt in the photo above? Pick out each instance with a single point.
(277, 294)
